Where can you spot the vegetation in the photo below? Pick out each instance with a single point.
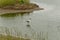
(7, 2)
(8, 37)
(19, 5)
(18, 35)
(24, 1)
(12, 2)
(8, 34)
(13, 6)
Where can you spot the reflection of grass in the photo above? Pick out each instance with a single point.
(13, 14)
(8, 15)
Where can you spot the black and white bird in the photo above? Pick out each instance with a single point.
(28, 22)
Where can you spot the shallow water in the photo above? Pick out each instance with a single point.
(47, 20)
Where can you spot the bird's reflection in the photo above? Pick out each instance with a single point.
(28, 22)
(28, 25)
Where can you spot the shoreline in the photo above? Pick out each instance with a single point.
(4, 11)
(21, 9)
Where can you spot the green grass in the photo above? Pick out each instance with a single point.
(11, 2)
(7, 2)
(24, 1)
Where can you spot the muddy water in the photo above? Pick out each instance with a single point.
(46, 21)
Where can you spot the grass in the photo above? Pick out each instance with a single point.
(24, 1)
(7, 2)
(11, 2)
